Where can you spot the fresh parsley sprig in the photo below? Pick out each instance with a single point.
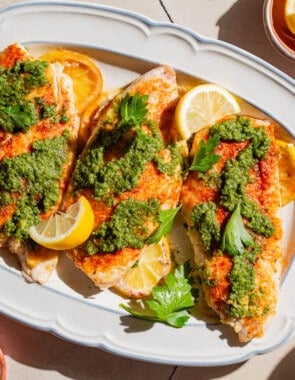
(133, 110)
(205, 158)
(235, 237)
(169, 303)
(166, 218)
(23, 116)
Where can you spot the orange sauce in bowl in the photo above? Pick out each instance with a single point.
(280, 26)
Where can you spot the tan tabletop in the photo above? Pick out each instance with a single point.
(36, 355)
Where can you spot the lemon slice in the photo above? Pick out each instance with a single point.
(286, 165)
(65, 230)
(290, 15)
(203, 106)
(86, 76)
(154, 263)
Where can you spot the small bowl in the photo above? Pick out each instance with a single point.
(277, 29)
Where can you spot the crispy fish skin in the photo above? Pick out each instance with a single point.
(106, 268)
(263, 189)
(37, 264)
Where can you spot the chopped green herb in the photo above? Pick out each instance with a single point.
(241, 129)
(204, 218)
(22, 115)
(17, 113)
(242, 279)
(31, 182)
(235, 240)
(175, 161)
(131, 147)
(169, 303)
(233, 191)
(125, 228)
(108, 179)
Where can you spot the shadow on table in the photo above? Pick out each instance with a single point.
(242, 25)
(285, 370)
(37, 350)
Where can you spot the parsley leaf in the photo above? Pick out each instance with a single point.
(23, 116)
(169, 302)
(235, 237)
(166, 218)
(133, 110)
(205, 158)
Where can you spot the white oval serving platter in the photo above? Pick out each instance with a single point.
(125, 44)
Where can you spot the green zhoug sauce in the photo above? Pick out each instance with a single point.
(235, 174)
(117, 176)
(204, 219)
(126, 227)
(242, 279)
(109, 179)
(17, 114)
(31, 181)
(232, 184)
(122, 132)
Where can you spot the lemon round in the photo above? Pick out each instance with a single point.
(203, 106)
(154, 263)
(85, 74)
(67, 230)
(290, 15)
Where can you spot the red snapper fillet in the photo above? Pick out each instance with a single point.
(38, 136)
(129, 171)
(232, 214)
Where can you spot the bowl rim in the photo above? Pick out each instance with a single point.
(272, 34)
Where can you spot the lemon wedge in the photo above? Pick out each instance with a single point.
(65, 230)
(85, 74)
(203, 106)
(154, 263)
(290, 15)
(286, 164)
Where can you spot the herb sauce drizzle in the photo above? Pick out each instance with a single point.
(18, 112)
(232, 185)
(136, 141)
(30, 181)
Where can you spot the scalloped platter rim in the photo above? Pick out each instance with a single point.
(69, 305)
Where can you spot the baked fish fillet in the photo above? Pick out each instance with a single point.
(38, 133)
(129, 171)
(231, 206)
